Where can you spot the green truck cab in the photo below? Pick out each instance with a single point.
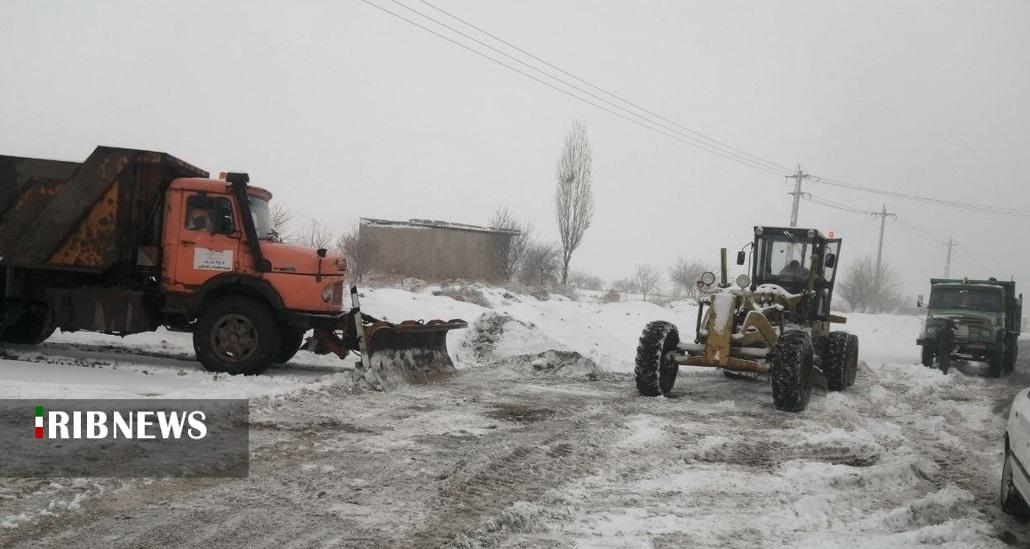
(972, 320)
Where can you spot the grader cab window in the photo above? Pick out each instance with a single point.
(209, 214)
(783, 258)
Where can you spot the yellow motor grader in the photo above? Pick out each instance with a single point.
(775, 322)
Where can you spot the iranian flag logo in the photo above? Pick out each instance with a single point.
(39, 422)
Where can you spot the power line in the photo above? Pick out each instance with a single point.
(982, 208)
(654, 121)
(647, 123)
(925, 233)
(836, 205)
(606, 92)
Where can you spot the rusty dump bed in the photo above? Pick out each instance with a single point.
(88, 216)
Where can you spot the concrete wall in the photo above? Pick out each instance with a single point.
(434, 252)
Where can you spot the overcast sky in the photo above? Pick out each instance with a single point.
(343, 112)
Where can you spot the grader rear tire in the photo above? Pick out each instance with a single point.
(655, 371)
(791, 371)
(852, 359)
(836, 361)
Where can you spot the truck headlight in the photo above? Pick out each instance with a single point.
(327, 294)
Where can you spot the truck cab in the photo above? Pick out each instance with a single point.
(972, 319)
(205, 237)
(131, 240)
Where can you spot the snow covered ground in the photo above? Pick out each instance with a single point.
(530, 448)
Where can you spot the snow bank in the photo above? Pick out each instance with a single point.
(161, 364)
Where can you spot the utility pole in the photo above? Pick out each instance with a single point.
(797, 177)
(947, 260)
(883, 215)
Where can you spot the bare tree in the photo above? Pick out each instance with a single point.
(541, 265)
(358, 251)
(281, 217)
(573, 197)
(626, 286)
(316, 236)
(514, 253)
(647, 279)
(585, 281)
(865, 291)
(685, 274)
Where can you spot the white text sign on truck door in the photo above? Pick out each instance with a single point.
(212, 260)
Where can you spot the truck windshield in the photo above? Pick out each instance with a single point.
(966, 298)
(262, 218)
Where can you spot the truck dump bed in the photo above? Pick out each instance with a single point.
(88, 216)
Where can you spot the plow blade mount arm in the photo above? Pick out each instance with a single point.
(411, 351)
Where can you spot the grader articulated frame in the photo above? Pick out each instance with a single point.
(776, 322)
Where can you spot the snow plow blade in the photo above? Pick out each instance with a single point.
(410, 352)
(407, 352)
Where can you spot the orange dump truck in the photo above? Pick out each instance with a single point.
(132, 240)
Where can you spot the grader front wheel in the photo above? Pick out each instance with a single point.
(655, 370)
(791, 371)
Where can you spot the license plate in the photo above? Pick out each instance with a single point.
(962, 331)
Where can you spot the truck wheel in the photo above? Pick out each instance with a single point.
(237, 335)
(290, 341)
(656, 371)
(791, 371)
(31, 329)
(1011, 352)
(996, 363)
(927, 357)
(1012, 501)
(852, 359)
(836, 361)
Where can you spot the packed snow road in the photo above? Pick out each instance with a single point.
(552, 449)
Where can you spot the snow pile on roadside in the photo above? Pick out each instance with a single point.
(607, 333)
(161, 364)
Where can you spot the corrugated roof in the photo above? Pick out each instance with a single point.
(434, 224)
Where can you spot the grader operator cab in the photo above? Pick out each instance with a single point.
(775, 322)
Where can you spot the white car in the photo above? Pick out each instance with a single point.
(1015, 479)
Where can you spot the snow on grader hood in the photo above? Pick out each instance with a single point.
(775, 323)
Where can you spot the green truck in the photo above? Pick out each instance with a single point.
(972, 320)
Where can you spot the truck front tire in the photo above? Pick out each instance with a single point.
(996, 360)
(1011, 352)
(291, 340)
(237, 335)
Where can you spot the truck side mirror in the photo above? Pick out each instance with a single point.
(919, 301)
(831, 260)
(741, 257)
